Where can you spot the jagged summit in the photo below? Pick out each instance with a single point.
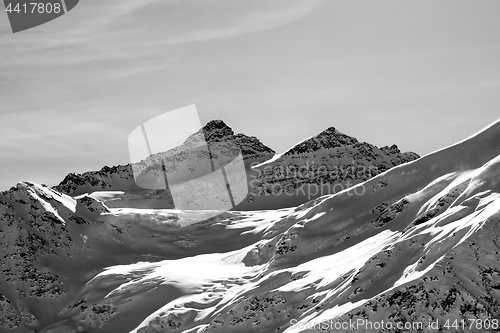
(330, 159)
(330, 148)
(328, 139)
(329, 131)
(217, 125)
(332, 138)
(218, 131)
(213, 131)
(121, 177)
(394, 149)
(333, 144)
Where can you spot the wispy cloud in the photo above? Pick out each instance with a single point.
(192, 21)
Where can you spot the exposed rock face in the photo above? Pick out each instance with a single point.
(340, 145)
(217, 131)
(121, 177)
(29, 231)
(397, 157)
(331, 138)
(328, 139)
(251, 147)
(107, 178)
(326, 163)
(330, 158)
(92, 205)
(9, 318)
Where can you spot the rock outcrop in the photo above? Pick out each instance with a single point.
(324, 164)
(121, 177)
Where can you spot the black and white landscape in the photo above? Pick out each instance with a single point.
(250, 166)
(416, 243)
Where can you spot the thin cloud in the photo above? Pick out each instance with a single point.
(179, 23)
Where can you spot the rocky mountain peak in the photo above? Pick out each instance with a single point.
(216, 124)
(121, 177)
(330, 130)
(213, 131)
(328, 139)
(216, 130)
(394, 149)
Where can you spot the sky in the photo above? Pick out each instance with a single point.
(421, 74)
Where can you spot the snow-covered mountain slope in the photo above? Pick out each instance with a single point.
(53, 244)
(419, 243)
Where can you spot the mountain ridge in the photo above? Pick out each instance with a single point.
(338, 149)
(421, 244)
(320, 165)
(123, 175)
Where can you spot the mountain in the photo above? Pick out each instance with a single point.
(218, 131)
(331, 139)
(323, 164)
(121, 178)
(417, 244)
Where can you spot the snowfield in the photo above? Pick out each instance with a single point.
(420, 244)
